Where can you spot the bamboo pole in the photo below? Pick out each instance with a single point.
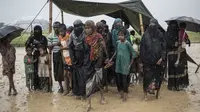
(50, 16)
(141, 24)
(62, 17)
(50, 52)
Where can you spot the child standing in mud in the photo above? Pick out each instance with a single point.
(125, 55)
(64, 38)
(43, 70)
(8, 58)
(29, 67)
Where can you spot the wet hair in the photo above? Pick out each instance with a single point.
(70, 28)
(132, 32)
(182, 25)
(42, 47)
(122, 30)
(56, 24)
(62, 27)
(103, 21)
(27, 47)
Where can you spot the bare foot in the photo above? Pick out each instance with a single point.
(15, 92)
(89, 108)
(102, 102)
(65, 93)
(145, 99)
(9, 93)
(125, 96)
(78, 98)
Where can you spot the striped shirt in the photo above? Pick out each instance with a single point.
(52, 39)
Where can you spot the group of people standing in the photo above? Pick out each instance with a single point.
(79, 52)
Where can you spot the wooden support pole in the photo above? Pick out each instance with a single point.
(50, 16)
(50, 52)
(141, 24)
(62, 17)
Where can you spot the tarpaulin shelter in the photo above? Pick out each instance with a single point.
(128, 11)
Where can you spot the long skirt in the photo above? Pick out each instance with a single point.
(177, 76)
(153, 75)
(58, 66)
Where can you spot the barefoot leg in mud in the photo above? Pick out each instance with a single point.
(66, 79)
(89, 104)
(145, 96)
(157, 93)
(125, 97)
(102, 101)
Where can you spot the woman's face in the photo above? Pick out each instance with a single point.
(118, 24)
(88, 30)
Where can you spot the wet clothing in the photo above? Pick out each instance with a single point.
(58, 66)
(58, 69)
(43, 73)
(153, 75)
(35, 41)
(65, 53)
(177, 75)
(115, 32)
(29, 70)
(152, 48)
(78, 57)
(94, 41)
(122, 82)
(8, 59)
(43, 67)
(53, 39)
(124, 53)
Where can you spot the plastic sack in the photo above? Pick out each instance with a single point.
(94, 82)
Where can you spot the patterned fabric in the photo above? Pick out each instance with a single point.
(94, 41)
(8, 58)
(64, 43)
(29, 64)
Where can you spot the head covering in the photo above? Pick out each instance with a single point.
(37, 31)
(172, 34)
(78, 27)
(93, 40)
(90, 24)
(118, 20)
(100, 27)
(103, 21)
(153, 22)
(77, 22)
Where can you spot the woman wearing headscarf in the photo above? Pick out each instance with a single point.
(177, 74)
(152, 55)
(35, 41)
(102, 29)
(79, 56)
(97, 47)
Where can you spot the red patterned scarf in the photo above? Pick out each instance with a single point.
(94, 41)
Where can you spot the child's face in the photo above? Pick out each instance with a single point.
(29, 51)
(41, 51)
(121, 36)
(62, 32)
